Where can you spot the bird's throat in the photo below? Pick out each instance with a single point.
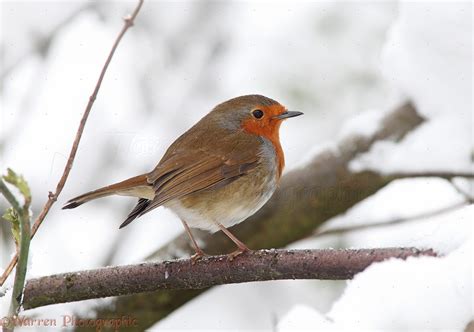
(271, 132)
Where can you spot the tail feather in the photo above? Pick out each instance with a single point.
(72, 205)
(136, 186)
(136, 212)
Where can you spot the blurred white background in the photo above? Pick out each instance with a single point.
(344, 64)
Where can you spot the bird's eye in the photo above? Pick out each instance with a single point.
(258, 114)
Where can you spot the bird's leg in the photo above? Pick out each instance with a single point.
(241, 246)
(199, 253)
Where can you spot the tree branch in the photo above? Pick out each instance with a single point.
(52, 197)
(327, 264)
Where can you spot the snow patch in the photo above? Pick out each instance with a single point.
(303, 317)
(364, 124)
(423, 293)
(428, 57)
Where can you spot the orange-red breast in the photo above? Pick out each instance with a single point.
(215, 175)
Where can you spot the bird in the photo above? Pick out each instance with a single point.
(215, 175)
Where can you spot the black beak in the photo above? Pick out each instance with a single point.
(288, 114)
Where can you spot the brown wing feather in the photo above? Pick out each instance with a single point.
(208, 173)
(203, 179)
(189, 167)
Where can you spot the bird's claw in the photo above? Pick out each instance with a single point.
(236, 253)
(197, 256)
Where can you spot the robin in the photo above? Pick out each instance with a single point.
(215, 175)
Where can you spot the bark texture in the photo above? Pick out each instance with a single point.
(262, 265)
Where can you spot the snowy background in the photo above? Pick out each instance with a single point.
(344, 64)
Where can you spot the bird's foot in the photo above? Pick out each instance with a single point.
(197, 256)
(237, 252)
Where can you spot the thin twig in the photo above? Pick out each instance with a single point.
(52, 197)
(24, 248)
(447, 175)
(261, 265)
(462, 192)
(353, 228)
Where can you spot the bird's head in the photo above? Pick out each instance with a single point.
(254, 114)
